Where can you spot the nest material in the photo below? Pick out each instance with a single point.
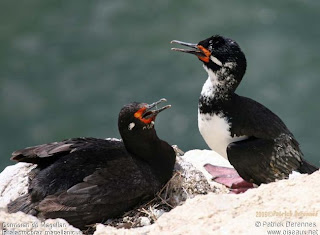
(186, 182)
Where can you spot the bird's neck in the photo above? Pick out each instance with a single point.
(156, 153)
(219, 85)
(217, 91)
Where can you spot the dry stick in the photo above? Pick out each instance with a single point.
(150, 214)
(141, 209)
(163, 201)
(166, 187)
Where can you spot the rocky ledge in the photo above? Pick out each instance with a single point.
(284, 207)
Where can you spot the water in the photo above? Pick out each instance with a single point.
(67, 67)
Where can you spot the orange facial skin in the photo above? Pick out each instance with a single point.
(140, 113)
(207, 53)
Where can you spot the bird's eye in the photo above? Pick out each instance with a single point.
(218, 43)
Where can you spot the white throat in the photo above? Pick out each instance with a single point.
(210, 86)
(222, 78)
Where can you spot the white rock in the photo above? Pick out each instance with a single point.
(144, 221)
(198, 158)
(14, 182)
(20, 223)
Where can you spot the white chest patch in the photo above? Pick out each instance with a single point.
(215, 130)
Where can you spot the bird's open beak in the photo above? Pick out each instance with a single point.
(198, 50)
(151, 113)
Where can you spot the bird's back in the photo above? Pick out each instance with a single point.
(78, 176)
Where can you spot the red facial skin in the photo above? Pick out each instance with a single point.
(207, 53)
(140, 113)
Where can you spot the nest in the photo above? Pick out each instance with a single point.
(186, 182)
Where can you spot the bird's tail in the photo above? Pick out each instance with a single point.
(307, 168)
(23, 204)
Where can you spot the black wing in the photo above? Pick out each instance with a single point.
(254, 119)
(263, 161)
(89, 181)
(50, 152)
(64, 164)
(104, 194)
(270, 152)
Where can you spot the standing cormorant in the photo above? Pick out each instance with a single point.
(254, 139)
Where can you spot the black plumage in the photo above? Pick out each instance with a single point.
(88, 180)
(259, 145)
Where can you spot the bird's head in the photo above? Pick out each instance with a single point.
(222, 58)
(137, 118)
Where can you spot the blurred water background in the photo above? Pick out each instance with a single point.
(67, 67)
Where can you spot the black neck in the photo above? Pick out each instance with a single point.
(213, 96)
(211, 105)
(156, 152)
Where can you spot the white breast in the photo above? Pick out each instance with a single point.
(215, 130)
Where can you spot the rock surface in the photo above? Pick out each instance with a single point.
(14, 182)
(290, 206)
(286, 205)
(20, 223)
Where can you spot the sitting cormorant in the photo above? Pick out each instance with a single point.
(89, 180)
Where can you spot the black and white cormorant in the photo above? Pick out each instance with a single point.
(254, 139)
(89, 180)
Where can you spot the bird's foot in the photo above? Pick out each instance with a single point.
(228, 177)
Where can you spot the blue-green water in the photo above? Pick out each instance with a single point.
(67, 67)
